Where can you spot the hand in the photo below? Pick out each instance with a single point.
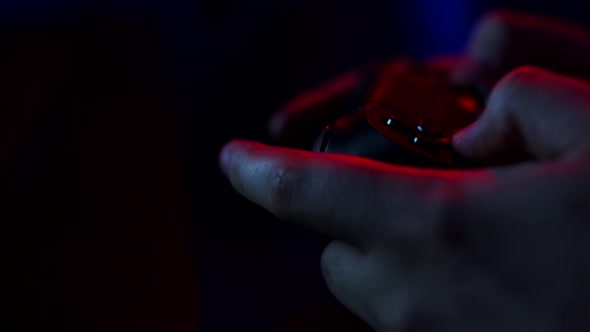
(498, 249)
(500, 42)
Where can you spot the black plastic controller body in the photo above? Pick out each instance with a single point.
(407, 116)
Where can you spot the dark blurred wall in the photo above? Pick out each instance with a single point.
(93, 190)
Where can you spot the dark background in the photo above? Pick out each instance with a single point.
(115, 215)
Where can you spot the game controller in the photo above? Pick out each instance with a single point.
(406, 116)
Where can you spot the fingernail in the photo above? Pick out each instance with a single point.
(227, 154)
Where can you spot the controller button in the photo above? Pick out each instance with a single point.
(424, 130)
(395, 125)
(420, 130)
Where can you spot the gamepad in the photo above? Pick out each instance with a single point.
(406, 116)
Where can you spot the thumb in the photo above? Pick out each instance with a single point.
(531, 114)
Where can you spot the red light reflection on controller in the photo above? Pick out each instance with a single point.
(469, 104)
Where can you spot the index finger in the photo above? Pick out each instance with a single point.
(346, 197)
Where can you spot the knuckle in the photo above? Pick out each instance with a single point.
(523, 75)
(327, 263)
(335, 268)
(498, 37)
(504, 24)
(515, 85)
(331, 264)
(517, 81)
(495, 29)
(284, 179)
(497, 17)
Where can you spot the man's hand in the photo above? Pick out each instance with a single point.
(497, 249)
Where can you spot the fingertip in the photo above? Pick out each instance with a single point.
(229, 150)
(225, 158)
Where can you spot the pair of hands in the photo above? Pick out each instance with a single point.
(502, 248)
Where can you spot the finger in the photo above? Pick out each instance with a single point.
(531, 111)
(345, 272)
(505, 40)
(375, 291)
(385, 289)
(300, 121)
(345, 197)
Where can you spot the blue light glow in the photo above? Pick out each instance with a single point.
(441, 26)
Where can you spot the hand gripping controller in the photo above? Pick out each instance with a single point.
(407, 116)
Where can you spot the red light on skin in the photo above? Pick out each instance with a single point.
(467, 103)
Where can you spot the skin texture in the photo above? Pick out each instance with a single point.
(500, 248)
